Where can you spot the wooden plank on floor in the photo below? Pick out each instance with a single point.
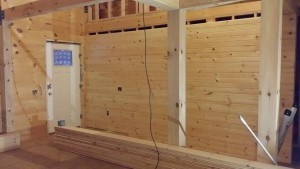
(137, 153)
(9, 141)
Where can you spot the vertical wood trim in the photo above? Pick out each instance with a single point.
(269, 82)
(7, 95)
(136, 7)
(177, 77)
(109, 9)
(141, 6)
(123, 5)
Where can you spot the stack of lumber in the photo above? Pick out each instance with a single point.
(137, 153)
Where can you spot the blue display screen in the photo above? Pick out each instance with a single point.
(62, 57)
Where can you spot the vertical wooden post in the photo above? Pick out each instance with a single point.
(177, 77)
(136, 7)
(90, 13)
(141, 7)
(269, 82)
(6, 79)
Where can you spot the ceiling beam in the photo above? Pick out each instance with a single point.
(162, 4)
(43, 7)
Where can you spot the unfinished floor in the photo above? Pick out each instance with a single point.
(42, 154)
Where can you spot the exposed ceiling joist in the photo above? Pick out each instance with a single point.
(44, 6)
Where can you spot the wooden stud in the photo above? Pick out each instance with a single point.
(109, 9)
(90, 13)
(141, 7)
(177, 77)
(136, 7)
(6, 76)
(269, 82)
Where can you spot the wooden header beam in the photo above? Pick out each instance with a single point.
(44, 6)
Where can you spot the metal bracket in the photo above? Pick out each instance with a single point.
(2, 16)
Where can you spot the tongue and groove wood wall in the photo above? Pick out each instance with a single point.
(222, 82)
(28, 39)
(222, 77)
(222, 73)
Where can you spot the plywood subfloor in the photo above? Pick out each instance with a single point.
(42, 154)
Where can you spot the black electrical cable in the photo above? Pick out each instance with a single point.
(149, 87)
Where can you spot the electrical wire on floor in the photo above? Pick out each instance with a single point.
(149, 87)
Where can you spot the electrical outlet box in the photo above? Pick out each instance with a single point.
(61, 122)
